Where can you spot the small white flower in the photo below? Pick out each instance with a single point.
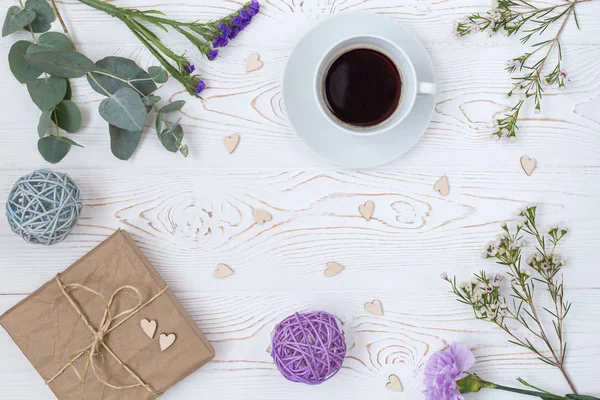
(523, 96)
(484, 255)
(529, 273)
(503, 31)
(563, 262)
(504, 313)
(561, 87)
(537, 110)
(505, 132)
(512, 138)
(494, 14)
(495, 4)
(494, 307)
(499, 277)
(564, 230)
(520, 224)
(555, 259)
(503, 306)
(553, 228)
(529, 261)
(503, 224)
(495, 137)
(444, 275)
(464, 285)
(474, 281)
(538, 257)
(456, 35)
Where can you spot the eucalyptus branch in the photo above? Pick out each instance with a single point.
(512, 17)
(483, 293)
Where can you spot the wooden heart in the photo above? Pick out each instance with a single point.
(222, 271)
(394, 384)
(366, 210)
(166, 341)
(254, 63)
(333, 269)
(528, 164)
(231, 142)
(374, 307)
(442, 186)
(260, 216)
(149, 327)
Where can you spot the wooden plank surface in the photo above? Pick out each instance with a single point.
(188, 215)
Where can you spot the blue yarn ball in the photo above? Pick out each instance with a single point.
(43, 207)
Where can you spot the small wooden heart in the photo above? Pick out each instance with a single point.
(333, 269)
(528, 164)
(231, 142)
(149, 327)
(254, 62)
(222, 271)
(374, 307)
(366, 210)
(260, 216)
(442, 186)
(166, 341)
(394, 384)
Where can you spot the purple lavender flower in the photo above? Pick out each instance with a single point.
(254, 8)
(220, 41)
(212, 54)
(240, 22)
(234, 33)
(200, 87)
(444, 369)
(190, 68)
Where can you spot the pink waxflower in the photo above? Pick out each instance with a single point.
(444, 369)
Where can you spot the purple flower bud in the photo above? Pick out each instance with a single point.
(189, 68)
(200, 87)
(213, 54)
(234, 33)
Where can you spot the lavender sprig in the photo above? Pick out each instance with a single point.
(483, 292)
(206, 37)
(512, 17)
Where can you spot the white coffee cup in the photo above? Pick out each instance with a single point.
(410, 89)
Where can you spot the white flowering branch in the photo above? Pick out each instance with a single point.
(483, 292)
(511, 17)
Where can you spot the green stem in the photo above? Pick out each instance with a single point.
(543, 395)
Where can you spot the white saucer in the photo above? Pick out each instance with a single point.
(310, 123)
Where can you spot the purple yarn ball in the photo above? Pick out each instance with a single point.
(308, 348)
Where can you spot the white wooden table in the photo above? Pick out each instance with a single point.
(188, 215)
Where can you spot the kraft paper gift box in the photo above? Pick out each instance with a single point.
(84, 352)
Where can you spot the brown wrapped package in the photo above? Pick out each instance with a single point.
(50, 328)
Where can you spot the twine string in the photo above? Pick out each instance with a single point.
(107, 325)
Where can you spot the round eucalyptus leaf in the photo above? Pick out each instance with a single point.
(123, 68)
(158, 74)
(45, 123)
(19, 67)
(16, 19)
(52, 41)
(172, 107)
(171, 137)
(53, 149)
(68, 116)
(46, 93)
(123, 142)
(159, 123)
(44, 15)
(65, 64)
(124, 109)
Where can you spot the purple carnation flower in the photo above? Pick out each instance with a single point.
(443, 369)
(212, 54)
(200, 87)
(190, 68)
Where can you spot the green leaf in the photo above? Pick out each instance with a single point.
(124, 109)
(16, 18)
(69, 93)
(68, 116)
(184, 150)
(53, 149)
(158, 74)
(47, 93)
(123, 68)
(44, 15)
(172, 107)
(19, 67)
(171, 137)
(45, 123)
(159, 123)
(71, 142)
(123, 142)
(65, 64)
(52, 41)
(150, 100)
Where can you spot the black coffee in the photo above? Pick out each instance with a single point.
(363, 87)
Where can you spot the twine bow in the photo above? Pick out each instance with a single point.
(109, 323)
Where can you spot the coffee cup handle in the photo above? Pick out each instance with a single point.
(427, 88)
